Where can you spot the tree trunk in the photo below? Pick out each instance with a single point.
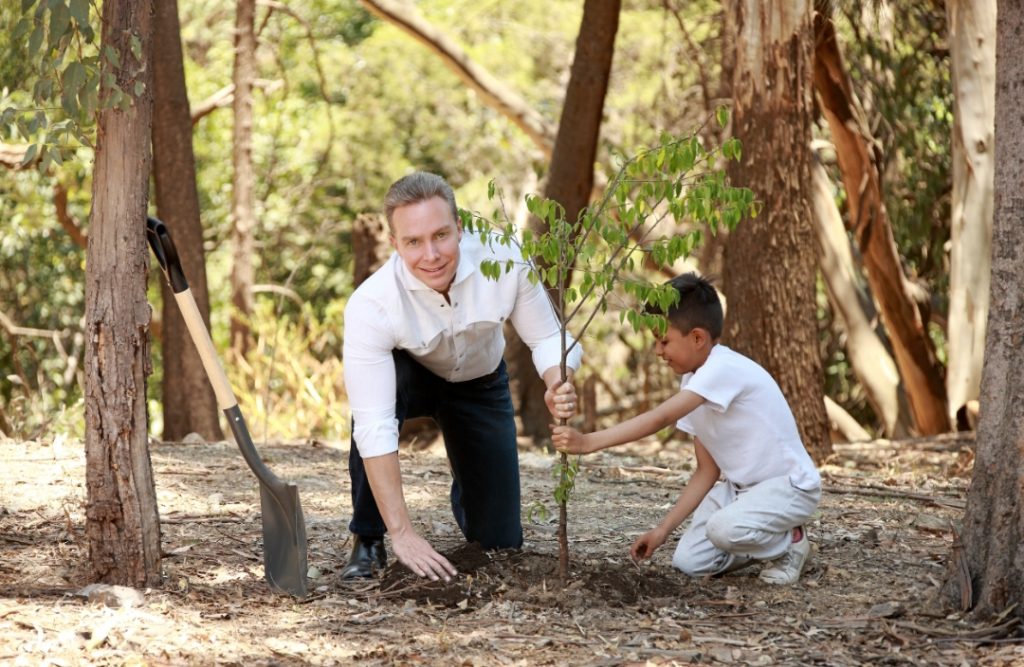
(243, 216)
(870, 360)
(122, 524)
(571, 176)
(771, 259)
(912, 348)
(370, 246)
(991, 570)
(188, 400)
(972, 40)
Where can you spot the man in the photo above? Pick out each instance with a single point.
(423, 337)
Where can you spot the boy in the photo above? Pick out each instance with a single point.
(743, 430)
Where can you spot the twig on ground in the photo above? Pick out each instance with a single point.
(884, 492)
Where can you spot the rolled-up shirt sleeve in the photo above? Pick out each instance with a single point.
(370, 377)
(535, 322)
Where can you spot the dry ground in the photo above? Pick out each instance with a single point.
(881, 544)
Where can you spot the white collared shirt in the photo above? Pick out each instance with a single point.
(457, 341)
(745, 422)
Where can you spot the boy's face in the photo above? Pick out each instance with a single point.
(683, 352)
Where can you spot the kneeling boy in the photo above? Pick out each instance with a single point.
(743, 432)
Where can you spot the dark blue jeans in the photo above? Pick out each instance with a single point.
(479, 431)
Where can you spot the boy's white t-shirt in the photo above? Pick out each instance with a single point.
(745, 423)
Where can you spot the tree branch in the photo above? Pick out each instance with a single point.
(67, 221)
(495, 93)
(222, 98)
(11, 156)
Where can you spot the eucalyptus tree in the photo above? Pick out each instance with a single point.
(189, 405)
(122, 523)
(972, 46)
(869, 223)
(771, 260)
(987, 571)
(243, 214)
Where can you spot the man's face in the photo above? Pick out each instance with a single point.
(426, 237)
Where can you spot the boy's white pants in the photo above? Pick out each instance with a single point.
(735, 525)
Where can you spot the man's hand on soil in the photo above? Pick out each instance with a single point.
(416, 554)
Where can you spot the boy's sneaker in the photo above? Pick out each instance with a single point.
(787, 569)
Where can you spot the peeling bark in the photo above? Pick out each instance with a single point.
(771, 259)
(972, 25)
(993, 532)
(870, 360)
(869, 222)
(122, 524)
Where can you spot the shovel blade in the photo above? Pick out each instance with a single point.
(284, 539)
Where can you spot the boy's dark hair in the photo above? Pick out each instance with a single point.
(698, 306)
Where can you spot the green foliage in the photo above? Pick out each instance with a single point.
(907, 88)
(63, 77)
(565, 472)
(42, 287)
(291, 383)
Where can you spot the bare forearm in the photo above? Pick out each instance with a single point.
(385, 479)
(632, 429)
(688, 500)
(704, 477)
(643, 425)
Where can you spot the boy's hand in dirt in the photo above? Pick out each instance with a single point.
(645, 545)
(568, 440)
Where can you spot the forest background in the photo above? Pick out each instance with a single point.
(863, 285)
(344, 102)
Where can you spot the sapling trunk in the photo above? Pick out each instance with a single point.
(563, 524)
(563, 481)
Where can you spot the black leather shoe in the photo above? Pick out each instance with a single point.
(367, 555)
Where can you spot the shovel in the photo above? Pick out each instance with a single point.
(284, 528)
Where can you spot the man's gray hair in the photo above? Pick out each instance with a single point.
(416, 187)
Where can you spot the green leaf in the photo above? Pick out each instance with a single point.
(60, 22)
(140, 87)
(80, 11)
(30, 155)
(136, 47)
(112, 56)
(74, 77)
(68, 102)
(36, 40)
(722, 115)
(26, 5)
(21, 29)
